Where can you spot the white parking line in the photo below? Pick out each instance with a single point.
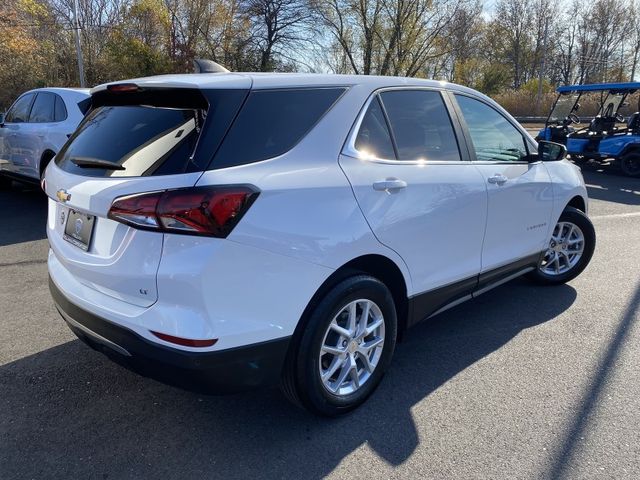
(616, 215)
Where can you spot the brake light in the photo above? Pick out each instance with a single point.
(123, 87)
(211, 211)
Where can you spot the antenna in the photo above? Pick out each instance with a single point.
(202, 65)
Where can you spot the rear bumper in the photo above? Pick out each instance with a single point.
(223, 371)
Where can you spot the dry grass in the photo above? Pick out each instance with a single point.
(524, 104)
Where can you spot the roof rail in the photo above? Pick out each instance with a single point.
(202, 65)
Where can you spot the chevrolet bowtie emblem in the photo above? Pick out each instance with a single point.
(63, 196)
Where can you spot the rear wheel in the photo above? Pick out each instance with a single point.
(569, 251)
(630, 164)
(344, 349)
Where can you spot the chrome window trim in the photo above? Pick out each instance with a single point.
(349, 149)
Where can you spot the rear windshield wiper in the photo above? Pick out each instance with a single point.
(91, 162)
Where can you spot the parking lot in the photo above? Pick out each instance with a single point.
(523, 382)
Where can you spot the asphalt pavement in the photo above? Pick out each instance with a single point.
(524, 382)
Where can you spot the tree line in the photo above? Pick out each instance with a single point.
(501, 50)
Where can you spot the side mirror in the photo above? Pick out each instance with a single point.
(551, 151)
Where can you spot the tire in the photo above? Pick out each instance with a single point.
(572, 226)
(301, 380)
(5, 183)
(630, 164)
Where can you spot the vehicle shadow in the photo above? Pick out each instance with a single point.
(67, 412)
(611, 188)
(23, 214)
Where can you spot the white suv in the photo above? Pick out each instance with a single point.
(35, 128)
(226, 231)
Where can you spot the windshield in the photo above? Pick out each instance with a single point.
(564, 106)
(611, 104)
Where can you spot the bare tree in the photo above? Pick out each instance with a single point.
(277, 28)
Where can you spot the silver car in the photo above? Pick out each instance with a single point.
(35, 128)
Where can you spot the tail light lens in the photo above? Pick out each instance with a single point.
(210, 211)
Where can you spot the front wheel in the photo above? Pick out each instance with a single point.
(630, 164)
(569, 251)
(344, 349)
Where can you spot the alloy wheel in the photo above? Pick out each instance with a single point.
(352, 347)
(564, 250)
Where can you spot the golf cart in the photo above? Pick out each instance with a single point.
(608, 137)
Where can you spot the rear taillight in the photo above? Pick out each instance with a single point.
(211, 211)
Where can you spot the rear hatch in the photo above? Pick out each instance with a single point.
(135, 139)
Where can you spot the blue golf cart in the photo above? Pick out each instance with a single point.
(608, 137)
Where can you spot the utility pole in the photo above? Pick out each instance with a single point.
(76, 22)
(540, 76)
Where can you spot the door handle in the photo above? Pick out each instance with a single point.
(390, 184)
(498, 178)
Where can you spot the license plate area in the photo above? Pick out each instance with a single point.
(78, 229)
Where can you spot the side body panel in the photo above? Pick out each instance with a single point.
(568, 183)
(519, 212)
(436, 224)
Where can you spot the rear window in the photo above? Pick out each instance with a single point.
(151, 131)
(137, 140)
(272, 122)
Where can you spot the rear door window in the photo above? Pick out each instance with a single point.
(19, 113)
(374, 137)
(272, 122)
(60, 113)
(421, 125)
(43, 108)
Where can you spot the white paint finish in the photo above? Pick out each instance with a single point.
(306, 208)
(201, 80)
(23, 144)
(567, 183)
(209, 288)
(519, 212)
(307, 222)
(121, 261)
(436, 224)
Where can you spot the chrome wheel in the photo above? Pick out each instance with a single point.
(352, 347)
(565, 249)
